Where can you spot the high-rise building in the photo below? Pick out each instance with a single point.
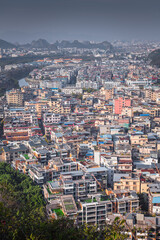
(14, 97)
(109, 93)
(120, 103)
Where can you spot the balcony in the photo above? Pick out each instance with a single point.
(91, 210)
(101, 213)
(93, 220)
(100, 208)
(122, 210)
(91, 215)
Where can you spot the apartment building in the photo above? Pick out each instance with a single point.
(14, 97)
(51, 118)
(94, 210)
(138, 139)
(78, 184)
(40, 174)
(129, 183)
(41, 107)
(146, 227)
(152, 94)
(16, 134)
(154, 198)
(13, 151)
(109, 93)
(100, 174)
(120, 103)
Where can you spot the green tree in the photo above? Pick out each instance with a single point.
(115, 231)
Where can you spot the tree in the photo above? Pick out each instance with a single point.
(115, 231)
(21, 203)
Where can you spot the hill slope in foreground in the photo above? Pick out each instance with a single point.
(155, 57)
(23, 215)
(5, 44)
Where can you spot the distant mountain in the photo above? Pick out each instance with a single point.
(67, 44)
(42, 43)
(4, 44)
(155, 57)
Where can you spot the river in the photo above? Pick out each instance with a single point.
(22, 82)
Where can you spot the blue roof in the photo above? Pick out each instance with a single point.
(106, 136)
(156, 200)
(17, 109)
(59, 134)
(145, 115)
(89, 154)
(114, 128)
(69, 123)
(139, 132)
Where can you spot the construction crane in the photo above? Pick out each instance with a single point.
(97, 182)
(157, 168)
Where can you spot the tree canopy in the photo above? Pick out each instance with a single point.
(23, 216)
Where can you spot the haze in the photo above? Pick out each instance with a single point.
(97, 20)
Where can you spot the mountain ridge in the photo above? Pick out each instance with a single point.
(105, 45)
(5, 44)
(42, 43)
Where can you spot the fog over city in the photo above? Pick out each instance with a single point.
(96, 20)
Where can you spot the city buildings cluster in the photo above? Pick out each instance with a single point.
(93, 145)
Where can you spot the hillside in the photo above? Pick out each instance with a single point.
(23, 215)
(155, 57)
(40, 43)
(4, 44)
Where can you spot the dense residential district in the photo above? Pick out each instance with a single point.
(88, 133)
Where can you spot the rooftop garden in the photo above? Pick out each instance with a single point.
(104, 198)
(89, 200)
(70, 207)
(49, 191)
(67, 201)
(58, 212)
(26, 156)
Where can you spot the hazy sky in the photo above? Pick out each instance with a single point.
(96, 20)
